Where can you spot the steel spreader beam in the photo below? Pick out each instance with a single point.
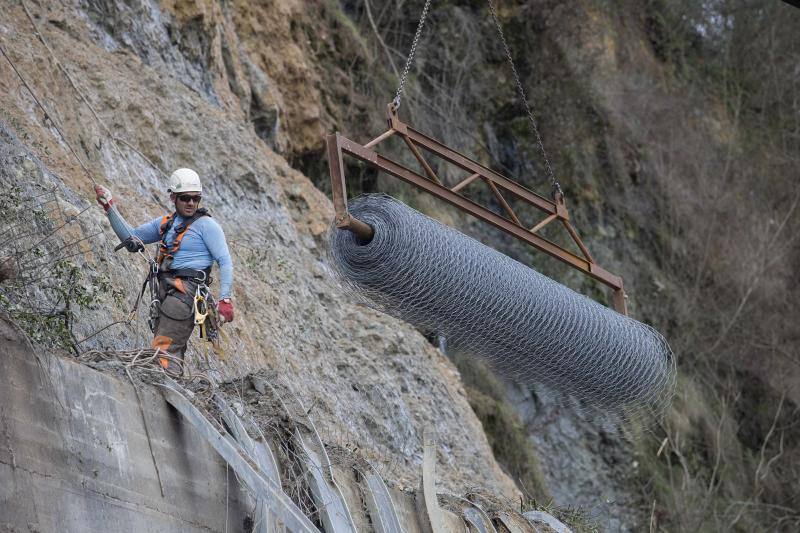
(338, 146)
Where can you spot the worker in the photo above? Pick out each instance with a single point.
(190, 241)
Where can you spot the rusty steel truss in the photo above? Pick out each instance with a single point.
(555, 210)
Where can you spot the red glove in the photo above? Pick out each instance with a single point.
(103, 197)
(225, 310)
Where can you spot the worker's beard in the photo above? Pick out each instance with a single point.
(185, 210)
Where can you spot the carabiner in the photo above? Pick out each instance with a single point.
(200, 309)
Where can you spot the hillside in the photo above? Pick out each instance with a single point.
(672, 128)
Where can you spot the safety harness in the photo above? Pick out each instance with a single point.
(201, 302)
(168, 252)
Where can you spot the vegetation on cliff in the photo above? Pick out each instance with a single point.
(673, 127)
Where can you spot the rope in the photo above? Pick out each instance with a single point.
(48, 116)
(410, 59)
(531, 119)
(114, 138)
(147, 360)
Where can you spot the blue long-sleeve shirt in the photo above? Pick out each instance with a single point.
(203, 243)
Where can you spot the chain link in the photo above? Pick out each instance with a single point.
(534, 127)
(410, 59)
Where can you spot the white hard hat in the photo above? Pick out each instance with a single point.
(184, 180)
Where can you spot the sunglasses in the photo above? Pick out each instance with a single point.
(186, 198)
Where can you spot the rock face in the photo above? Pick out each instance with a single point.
(83, 450)
(141, 105)
(585, 463)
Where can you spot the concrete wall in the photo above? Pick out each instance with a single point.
(74, 454)
(74, 457)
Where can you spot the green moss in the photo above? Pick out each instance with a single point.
(504, 429)
(347, 35)
(71, 290)
(510, 444)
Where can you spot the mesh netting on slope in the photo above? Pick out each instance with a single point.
(526, 326)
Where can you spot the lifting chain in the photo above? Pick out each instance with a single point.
(534, 128)
(410, 59)
(556, 186)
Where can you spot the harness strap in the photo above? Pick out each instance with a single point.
(167, 221)
(189, 273)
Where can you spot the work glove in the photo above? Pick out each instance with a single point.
(225, 310)
(132, 244)
(103, 197)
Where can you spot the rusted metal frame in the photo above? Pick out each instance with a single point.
(344, 220)
(413, 137)
(457, 187)
(338, 185)
(428, 170)
(452, 156)
(560, 213)
(435, 147)
(621, 301)
(502, 201)
(578, 241)
(543, 223)
(593, 270)
(486, 174)
(380, 138)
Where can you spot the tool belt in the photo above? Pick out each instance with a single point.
(198, 276)
(191, 287)
(182, 283)
(185, 284)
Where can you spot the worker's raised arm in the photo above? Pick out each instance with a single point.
(131, 238)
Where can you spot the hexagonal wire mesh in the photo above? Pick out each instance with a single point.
(529, 328)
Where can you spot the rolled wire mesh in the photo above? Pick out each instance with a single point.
(526, 326)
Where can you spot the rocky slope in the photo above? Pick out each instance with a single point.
(370, 380)
(671, 126)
